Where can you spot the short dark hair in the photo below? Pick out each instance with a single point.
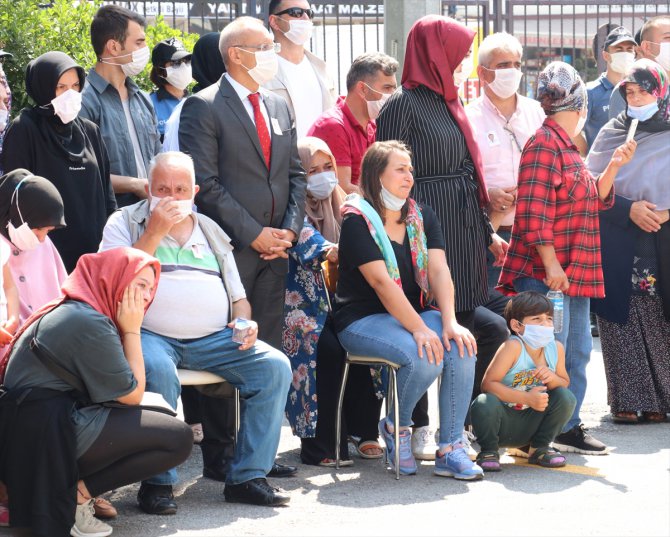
(375, 161)
(525, 304)
(272, 8)
(367, 65)
(111, 22)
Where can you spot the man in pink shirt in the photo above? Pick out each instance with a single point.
(502, 121)
(349, 127)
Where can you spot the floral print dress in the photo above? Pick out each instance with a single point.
(305, 312)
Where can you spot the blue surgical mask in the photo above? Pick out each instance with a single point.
(643, 113)
(537, 336)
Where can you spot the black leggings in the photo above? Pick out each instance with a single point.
(135, 444)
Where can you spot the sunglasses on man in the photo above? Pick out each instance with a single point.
(297, 12)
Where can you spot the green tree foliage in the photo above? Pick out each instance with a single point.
(29, 28)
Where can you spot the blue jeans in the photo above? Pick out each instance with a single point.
(575, 337)
(262, 374)
(383, 336)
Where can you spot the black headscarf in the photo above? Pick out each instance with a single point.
(207, 63)
(42, 75)
(37, 199)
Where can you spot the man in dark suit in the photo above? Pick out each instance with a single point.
(251, 182)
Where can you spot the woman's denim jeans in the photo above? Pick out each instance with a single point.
(381, 335)
(576, 338)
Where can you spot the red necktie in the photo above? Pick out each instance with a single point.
(261, 127)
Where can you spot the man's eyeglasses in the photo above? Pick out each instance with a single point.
(263, 48)
(297, 12)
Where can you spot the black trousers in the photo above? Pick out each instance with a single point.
(490, 331)
(135, 444)
(361, 408)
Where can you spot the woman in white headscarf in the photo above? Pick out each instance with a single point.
(634, 316)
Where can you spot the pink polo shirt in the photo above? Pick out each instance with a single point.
(500, 152)
(345, 136)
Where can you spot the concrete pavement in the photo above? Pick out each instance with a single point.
(624, 493)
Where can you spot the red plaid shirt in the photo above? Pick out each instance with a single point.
(557, 204)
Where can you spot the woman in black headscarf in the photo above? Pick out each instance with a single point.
(36, 266)
(207, 62)
(207, 67)
(51, 141)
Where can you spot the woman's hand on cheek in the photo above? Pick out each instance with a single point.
(130, 311)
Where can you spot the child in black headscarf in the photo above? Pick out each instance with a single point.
(50, 140)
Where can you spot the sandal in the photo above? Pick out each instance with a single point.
(654, 417)
(103, 508)
(625, 417)
(332, 463)
(489, 461)
(547, 457)
(369, 449)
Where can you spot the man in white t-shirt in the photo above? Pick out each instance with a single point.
(189, 325)
(302, 79)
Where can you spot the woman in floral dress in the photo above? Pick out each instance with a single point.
(308, 339)
(634, 316)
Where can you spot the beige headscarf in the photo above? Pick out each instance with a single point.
(324, 215)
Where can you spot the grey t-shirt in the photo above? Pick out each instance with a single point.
(85, 343)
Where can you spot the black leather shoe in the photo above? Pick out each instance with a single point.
(216, 472)
(282, 470)
(156, 499)
(256, 492)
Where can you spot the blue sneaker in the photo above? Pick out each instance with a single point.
(407, 462)
(456, 463)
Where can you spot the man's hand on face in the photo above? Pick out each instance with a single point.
(165, 215)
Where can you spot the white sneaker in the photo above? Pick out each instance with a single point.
(86, 525)
(468, 439)
(423, 444)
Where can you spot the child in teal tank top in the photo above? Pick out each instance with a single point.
(525, 398)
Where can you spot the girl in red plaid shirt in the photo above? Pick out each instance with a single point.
(555, 240)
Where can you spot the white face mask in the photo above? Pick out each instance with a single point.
(663, 57)
(466, 69)
(266, 66)
(299, 31)
(321, 185)
(184, 207)
(375, 107)
(139, 60)
(621, 62)
(506, 82)
(179, 76)
(537, 336)
(67, 105)
(4, 118)
(392, 202)
(22, 237)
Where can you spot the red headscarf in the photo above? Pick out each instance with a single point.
(99, 280)
(436, 45)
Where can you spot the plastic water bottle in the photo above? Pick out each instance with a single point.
(556, 297)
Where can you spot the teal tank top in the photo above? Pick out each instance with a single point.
(520, 376)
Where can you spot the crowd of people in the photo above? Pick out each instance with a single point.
(260, 228)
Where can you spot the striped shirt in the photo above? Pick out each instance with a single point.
(557, 205)
(444, 180)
